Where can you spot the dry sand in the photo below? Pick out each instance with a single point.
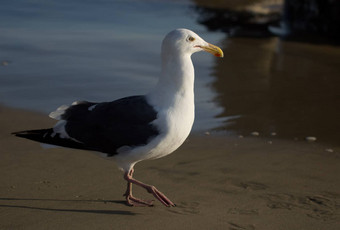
(217, 182)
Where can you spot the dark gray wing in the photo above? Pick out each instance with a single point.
(107, 126)
(102, 127)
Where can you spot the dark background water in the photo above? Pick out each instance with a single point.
(286, 87)
(55, 52)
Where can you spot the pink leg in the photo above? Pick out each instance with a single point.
(151, 189)
(130, 199)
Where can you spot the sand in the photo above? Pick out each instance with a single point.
(217, 182)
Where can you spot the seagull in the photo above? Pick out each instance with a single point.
(136, 128)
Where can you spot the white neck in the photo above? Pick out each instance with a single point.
(176, 82)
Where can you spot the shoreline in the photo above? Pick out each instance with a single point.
(214, 132)
(217, 182)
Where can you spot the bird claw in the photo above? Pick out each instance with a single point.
(160, 196)
(133, 201)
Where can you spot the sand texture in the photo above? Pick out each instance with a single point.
(217, 182)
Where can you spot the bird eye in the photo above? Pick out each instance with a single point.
(191, 39)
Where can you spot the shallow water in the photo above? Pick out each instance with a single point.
(57, 52)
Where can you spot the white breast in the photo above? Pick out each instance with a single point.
(175, 124)
(173, 99)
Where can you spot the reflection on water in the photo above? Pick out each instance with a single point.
(272, 85)
(289, 88)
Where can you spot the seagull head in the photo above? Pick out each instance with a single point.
(184, 41)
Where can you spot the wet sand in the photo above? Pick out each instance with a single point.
(290, 88)
(217, 182)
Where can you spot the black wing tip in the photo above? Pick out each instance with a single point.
(44, 136)
(29, 132)
(20, 133)
(16, 133)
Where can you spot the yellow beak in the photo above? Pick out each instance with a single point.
(213, 50)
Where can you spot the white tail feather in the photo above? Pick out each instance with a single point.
(59, 112)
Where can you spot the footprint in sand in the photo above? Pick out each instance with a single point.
(239, 211)
(251, 185)
(315, 206)
(186, 208)
(234, 226)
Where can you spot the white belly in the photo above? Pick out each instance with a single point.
(174, 124)
(175, 128)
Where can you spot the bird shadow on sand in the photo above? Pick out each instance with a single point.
(103, 211)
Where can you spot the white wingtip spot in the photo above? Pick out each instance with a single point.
(91, 107)
(48, 146)
(60, 129)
